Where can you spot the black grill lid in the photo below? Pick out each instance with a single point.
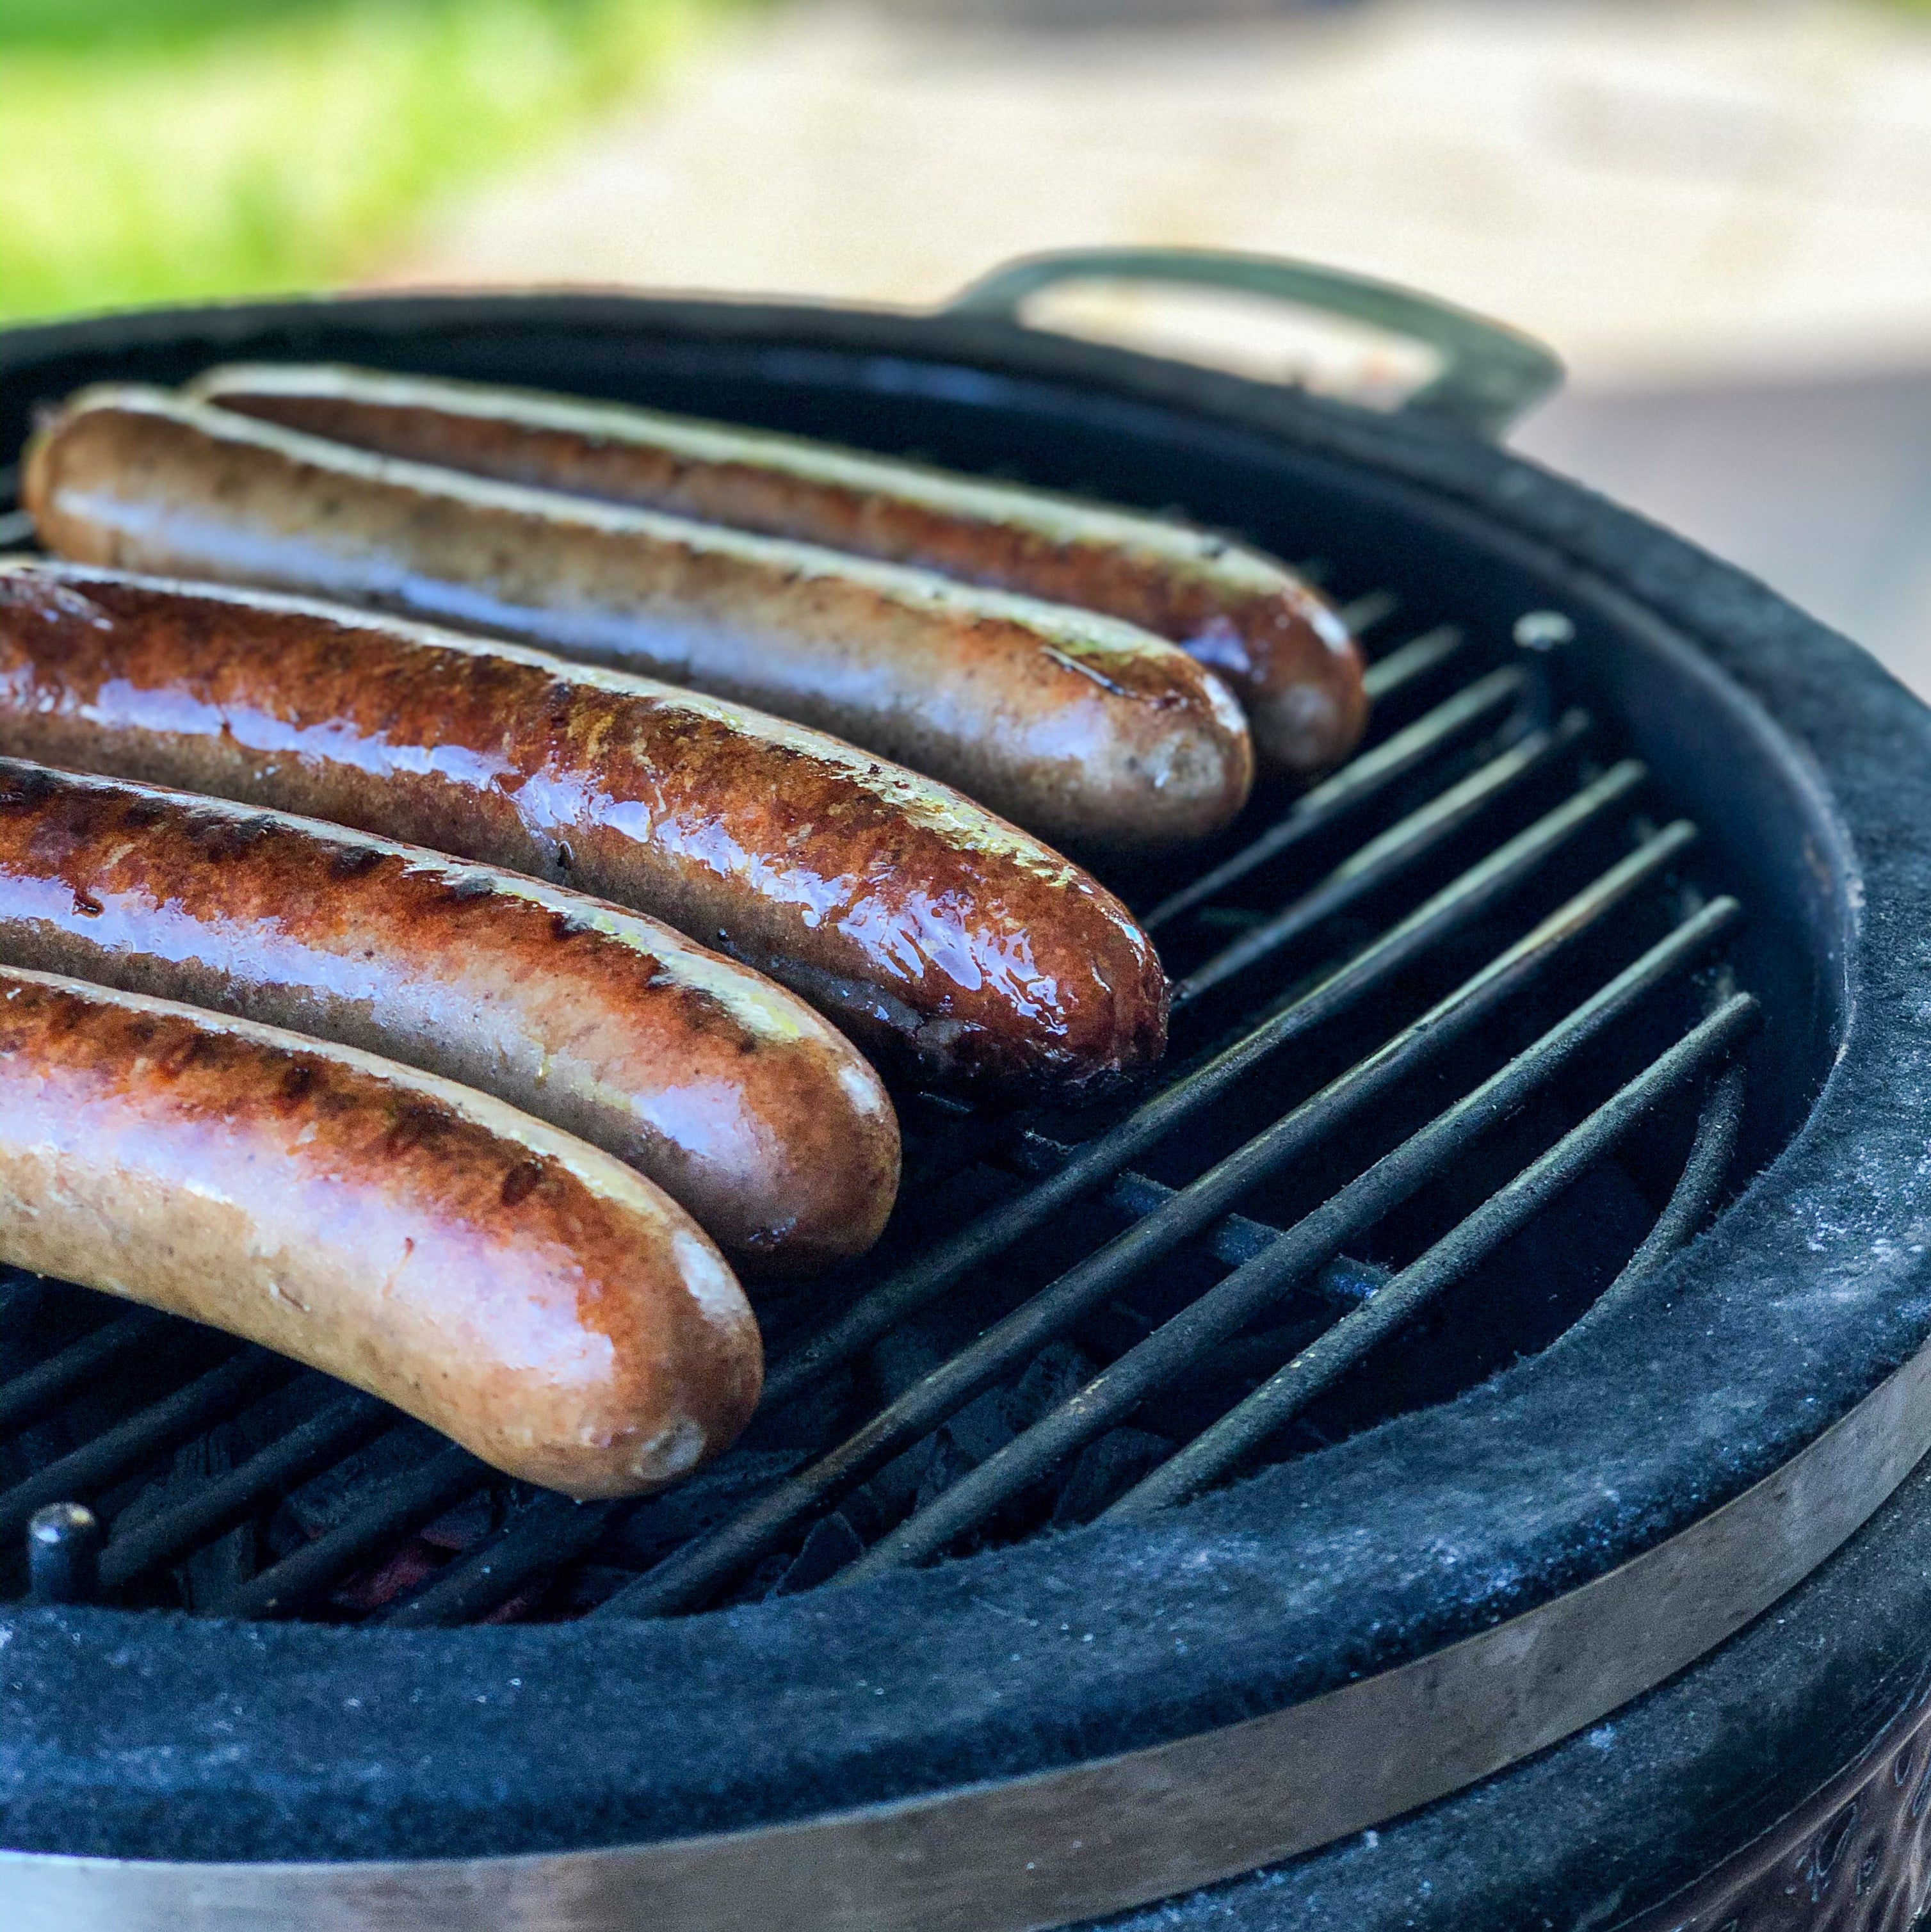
(167, 1737)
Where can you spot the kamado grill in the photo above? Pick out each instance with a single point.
(1512, 1286)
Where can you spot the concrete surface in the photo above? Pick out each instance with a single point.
(1719, 211)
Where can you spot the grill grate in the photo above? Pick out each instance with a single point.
(1417, 1016)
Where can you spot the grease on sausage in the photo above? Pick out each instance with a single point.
(909, 915)
(534, 1299)
(727, 1091)
(1079, 728)
(1284, 649)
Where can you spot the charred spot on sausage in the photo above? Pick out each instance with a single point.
(521, 1182)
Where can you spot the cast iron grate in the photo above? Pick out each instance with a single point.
(1455, 1062)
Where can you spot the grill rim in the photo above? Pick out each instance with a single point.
(1851, 713)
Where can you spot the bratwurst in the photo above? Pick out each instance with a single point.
(534, 1299)
(729, 1093)
(1083, 729)
(1286, 653)
(910, 916)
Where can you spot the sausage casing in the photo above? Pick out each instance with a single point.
(534, 1299)
(909, 915)
(1085, 730)
(726, 1090)
(1282, 648)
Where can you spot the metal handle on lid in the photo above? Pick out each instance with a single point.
(1490, 375)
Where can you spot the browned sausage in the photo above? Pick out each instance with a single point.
(1286, 653)
(727, 1091)
(1077, 726)
(904, 911)
(530, 1297)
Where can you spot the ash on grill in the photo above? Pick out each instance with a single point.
(1417, 1011)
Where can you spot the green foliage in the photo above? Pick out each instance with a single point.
(159, 149)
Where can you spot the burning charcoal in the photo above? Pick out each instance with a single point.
(1105, 1471)
(521, 1607)
(468, 1522)
(832, 1544)
(397, 1576)
(425, 1553)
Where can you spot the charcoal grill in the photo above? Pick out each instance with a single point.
(1513, 1287)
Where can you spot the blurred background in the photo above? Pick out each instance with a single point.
(1719, 212)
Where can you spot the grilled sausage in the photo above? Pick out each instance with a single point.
(728, 1092)
(1079, 728)
(530, 1297)
(904, 911)
(1286, 653)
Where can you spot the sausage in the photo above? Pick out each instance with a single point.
(728, 1092)
(1285, 651)
(912, 917)
(1077, 726)
(533, 1298)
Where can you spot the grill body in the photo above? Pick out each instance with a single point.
(1767, 1370)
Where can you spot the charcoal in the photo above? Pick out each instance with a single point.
(1207, 1389)
(1105, 1470)
(214, 1572)
(468, 1522)
(905, 1357)
(587, 1585)
(832, 1544)
(399, 1574)
(332, 1498)
(762, 1580)
(813, 1421)
(1058, 1371)
(658, 1525)
(945, 1463)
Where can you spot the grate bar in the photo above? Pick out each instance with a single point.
(226, 1500)
(404, 1505)
(1692, 1198)
(1389, 676)
(1386, 857)
(552, 1532)
(700, 1566)
(1484, 886)
(1234, 1239)
(1370, 608)
(1230, 1441)
(162, 1425)
(1354, 785)
(1230, 1305)
(32, 1394)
